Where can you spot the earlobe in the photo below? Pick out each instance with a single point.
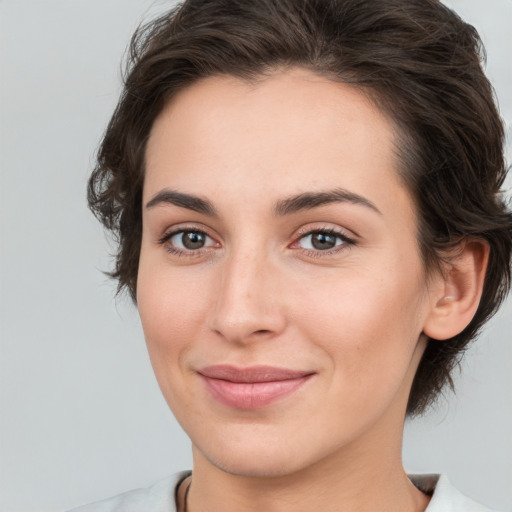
(456, 299)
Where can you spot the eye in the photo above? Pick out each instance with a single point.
(187, 240)
(323, 240)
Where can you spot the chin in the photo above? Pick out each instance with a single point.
(269, 459)
(255, 467)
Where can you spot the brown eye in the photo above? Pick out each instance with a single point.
(322, 240)
(190, 240)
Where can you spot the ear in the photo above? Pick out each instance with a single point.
(457, 292)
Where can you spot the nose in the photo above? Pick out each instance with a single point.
(249, 305)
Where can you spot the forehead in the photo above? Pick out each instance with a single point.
(293, 131)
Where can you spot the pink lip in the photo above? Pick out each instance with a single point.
(251, 388)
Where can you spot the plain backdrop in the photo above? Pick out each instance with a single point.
(81, 415)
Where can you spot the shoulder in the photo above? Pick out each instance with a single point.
(445, 497)
(159, 497)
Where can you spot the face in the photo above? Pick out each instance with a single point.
(280, 286)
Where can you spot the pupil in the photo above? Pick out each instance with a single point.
(193, 240)
(323, 241)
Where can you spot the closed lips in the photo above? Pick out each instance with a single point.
(251, 388)
(252, 374)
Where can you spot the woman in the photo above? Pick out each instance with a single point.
(307, 199)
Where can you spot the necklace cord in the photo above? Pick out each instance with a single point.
(185, 497)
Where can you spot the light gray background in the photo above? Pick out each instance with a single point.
(81, 414)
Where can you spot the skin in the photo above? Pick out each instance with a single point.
(260, 293)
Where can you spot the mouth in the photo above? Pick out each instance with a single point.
(253, 387)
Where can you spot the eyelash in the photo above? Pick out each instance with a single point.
(346, 242)
(165, 241)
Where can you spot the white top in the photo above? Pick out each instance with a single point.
(160, 497)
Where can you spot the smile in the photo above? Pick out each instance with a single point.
(251, 388)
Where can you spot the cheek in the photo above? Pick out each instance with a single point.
(368, 324)
(170, 321)
(168, 299)
(172, 313)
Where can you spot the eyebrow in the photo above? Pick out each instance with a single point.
(188, 201)
(288, 206)
(310, 200)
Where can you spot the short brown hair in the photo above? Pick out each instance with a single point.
(419, 62)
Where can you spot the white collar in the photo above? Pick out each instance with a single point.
(445, 498)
